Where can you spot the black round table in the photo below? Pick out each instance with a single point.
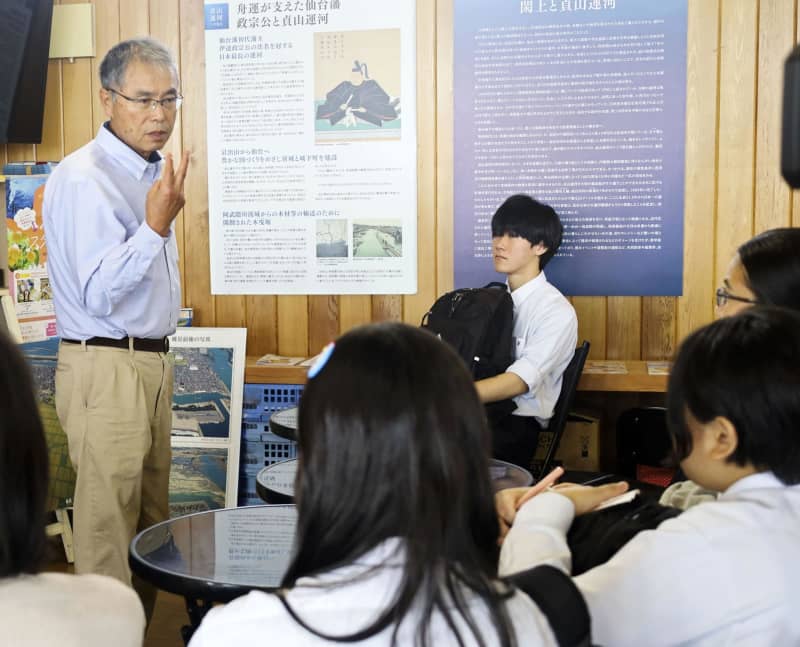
(275, 483)
(283, 423)
(216, 556)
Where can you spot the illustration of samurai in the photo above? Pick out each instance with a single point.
(360, 98)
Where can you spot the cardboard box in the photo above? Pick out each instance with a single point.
(579, 448)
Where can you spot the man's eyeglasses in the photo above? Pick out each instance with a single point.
(723, 296)
(169, 104)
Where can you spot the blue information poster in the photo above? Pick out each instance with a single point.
(580, 104)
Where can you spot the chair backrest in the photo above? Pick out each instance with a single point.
(644, 445)
(569, 384)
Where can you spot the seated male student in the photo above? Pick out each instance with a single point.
(525, 235)
(724, 572)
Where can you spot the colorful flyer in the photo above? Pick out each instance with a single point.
(27, 257)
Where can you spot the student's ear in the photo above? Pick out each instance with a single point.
(539, 248)
(724, 439)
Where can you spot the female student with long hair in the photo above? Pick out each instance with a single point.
(397, 532)
(45, 608)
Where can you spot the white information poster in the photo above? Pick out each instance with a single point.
(312, 146)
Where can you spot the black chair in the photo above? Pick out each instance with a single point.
(644, 446)
(569, 384)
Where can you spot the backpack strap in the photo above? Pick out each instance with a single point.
(557, 597)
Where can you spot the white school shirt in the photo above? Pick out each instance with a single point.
(259, 618)
(545, 336)
(724, 572)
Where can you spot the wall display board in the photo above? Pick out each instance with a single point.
(206, 418)
(312, 147)
(29, 281)
(581, 104)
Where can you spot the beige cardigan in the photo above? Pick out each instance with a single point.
(69, 611)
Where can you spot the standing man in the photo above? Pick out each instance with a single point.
(525, 235)
(113, 262)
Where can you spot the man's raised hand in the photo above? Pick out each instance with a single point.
(165, 198)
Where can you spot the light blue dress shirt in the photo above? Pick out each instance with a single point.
(111, 274)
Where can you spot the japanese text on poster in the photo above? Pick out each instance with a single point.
(580, 104)
(312, 146)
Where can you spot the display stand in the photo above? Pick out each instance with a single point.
(62, 526)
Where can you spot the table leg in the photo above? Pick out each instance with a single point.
(197, 609)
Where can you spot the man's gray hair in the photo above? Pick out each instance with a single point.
(145, 50)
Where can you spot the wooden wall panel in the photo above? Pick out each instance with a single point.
(262, 325)
(444, 146)
(796, 194)
(52, 146)
(658, 327)
(20, 152)
(387, 307)
(293, 325)
(195, 248)
(592, 317)
(695, 307)
(736, 50)
(416, 305)
(624, 328)
(354, 310)
(737, 116)
(775, 40)
(77, 100)
(323, 321)
(165, 27)
(106, 35)
(134, 19)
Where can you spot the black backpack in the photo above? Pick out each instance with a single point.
(595, 537)
(478, 323)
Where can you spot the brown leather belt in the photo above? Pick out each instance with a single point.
(150, 345)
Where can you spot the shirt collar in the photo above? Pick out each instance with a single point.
(389, 554)
(130, 160)
(525, 290)
(758, 481)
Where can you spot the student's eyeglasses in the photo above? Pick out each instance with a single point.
(170, 104)
(723, 296)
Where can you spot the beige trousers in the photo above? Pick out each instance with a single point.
(115, 406)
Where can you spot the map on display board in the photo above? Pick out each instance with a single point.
(206, 418)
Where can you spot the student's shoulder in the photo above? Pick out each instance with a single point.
(76, 608)
(244, 616)
(556, 303)
(105, 593)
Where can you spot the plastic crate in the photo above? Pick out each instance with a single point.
(247, 490)
(260, 401)
(258, 454)
(258, 431)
